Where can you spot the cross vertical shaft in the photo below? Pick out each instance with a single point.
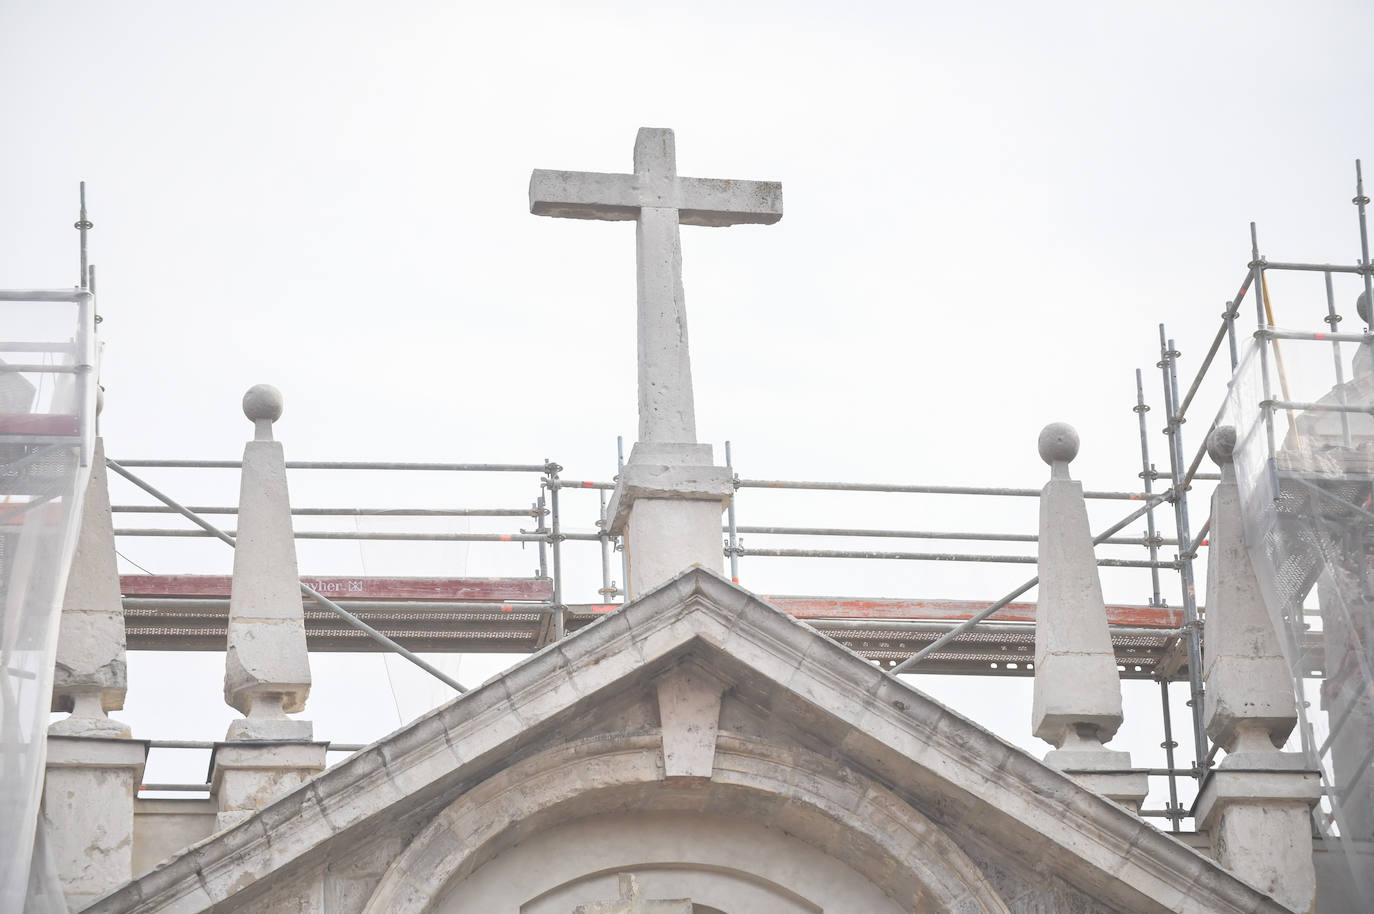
(658, 200)
(669, 496)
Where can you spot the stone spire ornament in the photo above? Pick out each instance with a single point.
(1257, 803)
(1077, 692)
(91, 677)
(669, 497)
(267, 670)
(93, 767)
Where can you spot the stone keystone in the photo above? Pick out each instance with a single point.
(267, 671)
(632, 901)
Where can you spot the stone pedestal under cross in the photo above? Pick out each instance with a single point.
(669, 497)
(632, 901)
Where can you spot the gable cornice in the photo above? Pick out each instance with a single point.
(962, 775)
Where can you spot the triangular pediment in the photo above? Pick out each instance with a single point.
(972, 814)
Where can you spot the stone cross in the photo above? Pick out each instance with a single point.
(658, 200)
(632, 901)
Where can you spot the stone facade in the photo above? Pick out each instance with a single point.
(830, 787)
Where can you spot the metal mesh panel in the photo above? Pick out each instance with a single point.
(1306, 483)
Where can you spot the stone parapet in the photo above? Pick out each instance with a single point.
(1106, 772)
(1257, 809)
(88, 805)
(247, 775)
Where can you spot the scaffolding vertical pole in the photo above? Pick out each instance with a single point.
(1229, 315)
(1177, 461)
(1361, 201)
(624, 553)
(540, 512)
(1332, 319)
(733, 547)
(1147, 473)
(556, 536)
(607, 591)
(83, 225)
(1262, 322)
(1169, 745)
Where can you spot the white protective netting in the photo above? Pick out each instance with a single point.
(47, 409)
(1305, 477)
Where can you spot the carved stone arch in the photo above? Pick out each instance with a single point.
(840, 812)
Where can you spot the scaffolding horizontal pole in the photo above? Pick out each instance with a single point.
(345, 465)
(29, 346)
(1318, 267)
(176, 788)
(215, 607)
(1315, 407)
(979, 617)
(917, 490)
(932, 557)
(879, 627)
(932, 535)
(581, 484)
(350, 619)
(45, 295)
(38, 368)
(341, 512)
(358, 535)
(1272, 333)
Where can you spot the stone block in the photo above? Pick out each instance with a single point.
(88, 804)
(1257, 807)
(689, 708)
(246, 776)
(1075, 689)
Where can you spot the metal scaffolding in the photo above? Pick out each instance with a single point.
(1152, 640)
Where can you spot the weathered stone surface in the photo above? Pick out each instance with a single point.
(246, 777)
(164, 827)
(572, 733)
(1076, 680)
(632, 901)
(689, 708)
(1257, 806)
(658, 200)
(1248, 682)
(266, 665)
(88, 804)
(90, 676)
(1077, 691)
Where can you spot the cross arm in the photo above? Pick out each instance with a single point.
(717, 202)
(583, 195)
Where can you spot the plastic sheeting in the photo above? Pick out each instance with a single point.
(1306, 482)
(47, 417)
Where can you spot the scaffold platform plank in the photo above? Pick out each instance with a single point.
(509, 615)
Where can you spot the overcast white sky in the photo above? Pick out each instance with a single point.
(989, 210)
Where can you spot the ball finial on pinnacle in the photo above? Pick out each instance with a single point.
(1362, 307)
(263, 401)
(1058, 443)
(1221, 444)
